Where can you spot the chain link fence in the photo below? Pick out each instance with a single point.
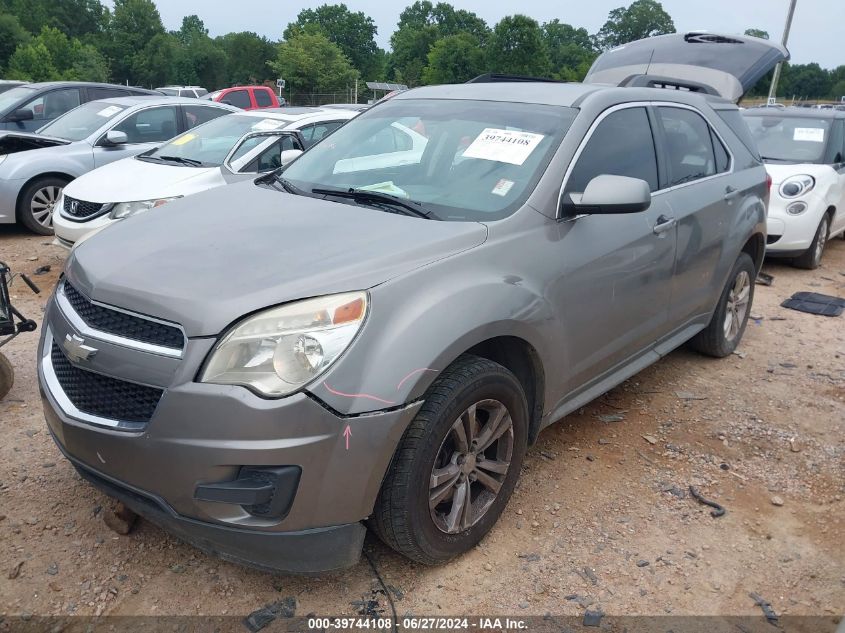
(323, 98)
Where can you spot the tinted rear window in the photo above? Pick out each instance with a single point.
(263, 99)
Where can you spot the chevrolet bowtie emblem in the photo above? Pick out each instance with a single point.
(76, 349)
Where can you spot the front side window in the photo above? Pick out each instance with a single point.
(789, 139)
(83, 121)
(621, 145)
(152, 125)
(689, 146)
(502, 151)
(237, 98)
(271, 158)
(53, 104)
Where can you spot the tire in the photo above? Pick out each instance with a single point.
(7, 376)
(722, 336)
(36, 204)
(431, 450)
(812, 257)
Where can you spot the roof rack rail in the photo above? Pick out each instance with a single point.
(669, 83)
(489, 78)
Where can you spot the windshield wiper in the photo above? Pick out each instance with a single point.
(276, 178)
(179, 159)
(410, 207)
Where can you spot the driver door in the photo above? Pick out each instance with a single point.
(614, 271)
(144, 129)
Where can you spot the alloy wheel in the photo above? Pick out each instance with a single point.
(471, 466)
(737, 307)
(42, 204)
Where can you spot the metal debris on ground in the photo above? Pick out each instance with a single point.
(613, 417)
(766, 606)
(718, 510)
(258, 619)
(42, 270)
(764, 279)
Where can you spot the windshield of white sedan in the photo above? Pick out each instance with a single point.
(447, 159)
(83, 121)
(209, 144)
(789, 138)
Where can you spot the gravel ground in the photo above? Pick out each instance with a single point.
(602, 518)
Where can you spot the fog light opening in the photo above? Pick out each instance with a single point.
(796, 208)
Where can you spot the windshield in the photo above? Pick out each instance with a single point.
(789, 138)
(83, 121)
(460, 160)
(11, 98)
(209, 144)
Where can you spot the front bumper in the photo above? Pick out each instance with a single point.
(70, 233)
(9, 191)
(792, 234)
(203, 433)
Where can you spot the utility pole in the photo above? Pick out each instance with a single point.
(784, 39)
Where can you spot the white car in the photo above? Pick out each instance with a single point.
(229, 149)
(804, 152)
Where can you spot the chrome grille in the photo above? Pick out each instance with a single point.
(80, 209)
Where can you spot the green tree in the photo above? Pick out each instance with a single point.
(88, 64)
(517, 47)
(12, 35)
(757, 33)
(156, 65)
(74, 18)
(454, 59)
(133, 24)
(808, 81)
(247, 55)
(312, 64)
(571, 50)
(644, 18)
(32, 62)
(353, 32)
(192, 29)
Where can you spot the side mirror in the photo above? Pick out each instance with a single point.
(114, 137)
(288, 155)
(608, 194)
(21, 114)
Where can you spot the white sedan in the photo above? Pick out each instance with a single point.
(804, 152)
(226, 150)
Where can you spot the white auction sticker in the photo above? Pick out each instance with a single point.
(502, 187)
(109, 112)
(503, 146)
(267, 124)
(813, 134)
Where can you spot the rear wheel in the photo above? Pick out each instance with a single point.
(812, 257)
(456, 465)
(7, 376)
(37, 203)
(724, 332)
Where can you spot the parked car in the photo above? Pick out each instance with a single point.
(31, 106)
(358, 107)
(264, 367)
(8, 84)
(804, 152)
(192, 92)
(35, 167)
(246, 97)
(223, 151)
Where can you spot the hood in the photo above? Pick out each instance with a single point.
(15, 142)
(781, 171)
(129, 180)
(208, 260)
(725, 65)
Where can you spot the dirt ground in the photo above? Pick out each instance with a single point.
(602, 517)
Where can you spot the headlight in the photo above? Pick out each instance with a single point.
(797, 186)
(277, 351)
(125, 209)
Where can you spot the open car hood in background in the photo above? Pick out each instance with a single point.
(14, 142)
(726, 65)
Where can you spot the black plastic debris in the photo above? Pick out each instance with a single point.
(42, 270)
(718, 510)
(815, 303)
(765, 279)
(592, 618)
(284, 608)
(766, 606)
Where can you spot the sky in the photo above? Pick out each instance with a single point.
(818, 30)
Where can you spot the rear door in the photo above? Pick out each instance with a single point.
(699, 188)
(727, 65)
(615, 277)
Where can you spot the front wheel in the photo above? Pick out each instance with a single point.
(7, 376)
(38, 203)
(724, 332)
(812, 257)
(457, 464)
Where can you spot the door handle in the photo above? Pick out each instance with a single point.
(731, 192)
(663, 224)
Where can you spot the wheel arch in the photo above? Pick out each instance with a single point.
(49, 174)
(755, 247)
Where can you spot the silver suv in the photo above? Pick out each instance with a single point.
(375, 334)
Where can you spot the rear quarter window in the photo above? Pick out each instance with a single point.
(733, 119)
